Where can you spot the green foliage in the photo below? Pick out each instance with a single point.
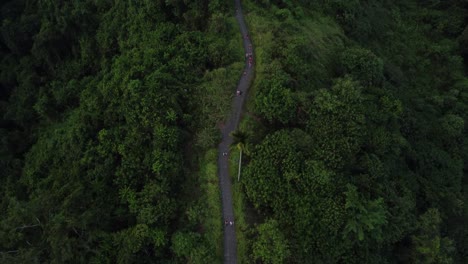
(378, 135)
(212, 100)
(130, 241)
(363, 65)
(283, 179)
(101, 100)
(239, 140)
(364, 219)
(183, 243)
(428, 245)
(336, 123)
(203, 212)
(271, 245)
(452, 125)
(274, 161)
(276, 103)
(187, 245)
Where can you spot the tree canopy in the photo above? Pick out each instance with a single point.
(367, 164)
(98, 102)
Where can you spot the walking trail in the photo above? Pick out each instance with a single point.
(230, 243)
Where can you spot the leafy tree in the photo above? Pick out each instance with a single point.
(275, 102)
(99, 99)
(274, 160)
(452, 125)
(363, 65)
(184, 243)
(365, 218)
(428, 245)
(271, 246)
(336, 123)
(349, 189)
(191, 247)
(278, 104)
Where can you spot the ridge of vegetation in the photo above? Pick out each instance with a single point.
(357, 126)
(109, 114)
(355, 147)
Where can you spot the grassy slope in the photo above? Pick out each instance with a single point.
(209, 185)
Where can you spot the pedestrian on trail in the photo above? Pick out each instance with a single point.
(231, 223)
(225, 222)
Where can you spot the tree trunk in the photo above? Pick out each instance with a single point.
(240, 164)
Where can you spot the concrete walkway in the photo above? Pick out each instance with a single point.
(230, 242)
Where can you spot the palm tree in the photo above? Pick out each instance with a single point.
(239, 140)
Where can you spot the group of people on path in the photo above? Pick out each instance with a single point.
(226, 222)
(249, 56)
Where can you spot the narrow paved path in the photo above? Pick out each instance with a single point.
(230, 242)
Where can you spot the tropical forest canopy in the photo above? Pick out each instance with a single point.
(101, 117)
(356, 139)
(359, 148)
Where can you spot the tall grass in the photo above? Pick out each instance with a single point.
(209, 186)
(238, 205)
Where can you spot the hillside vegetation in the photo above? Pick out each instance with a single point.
(355, 136)
(357, 132)
(108, 108)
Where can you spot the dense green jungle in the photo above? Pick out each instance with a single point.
(354, 134)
